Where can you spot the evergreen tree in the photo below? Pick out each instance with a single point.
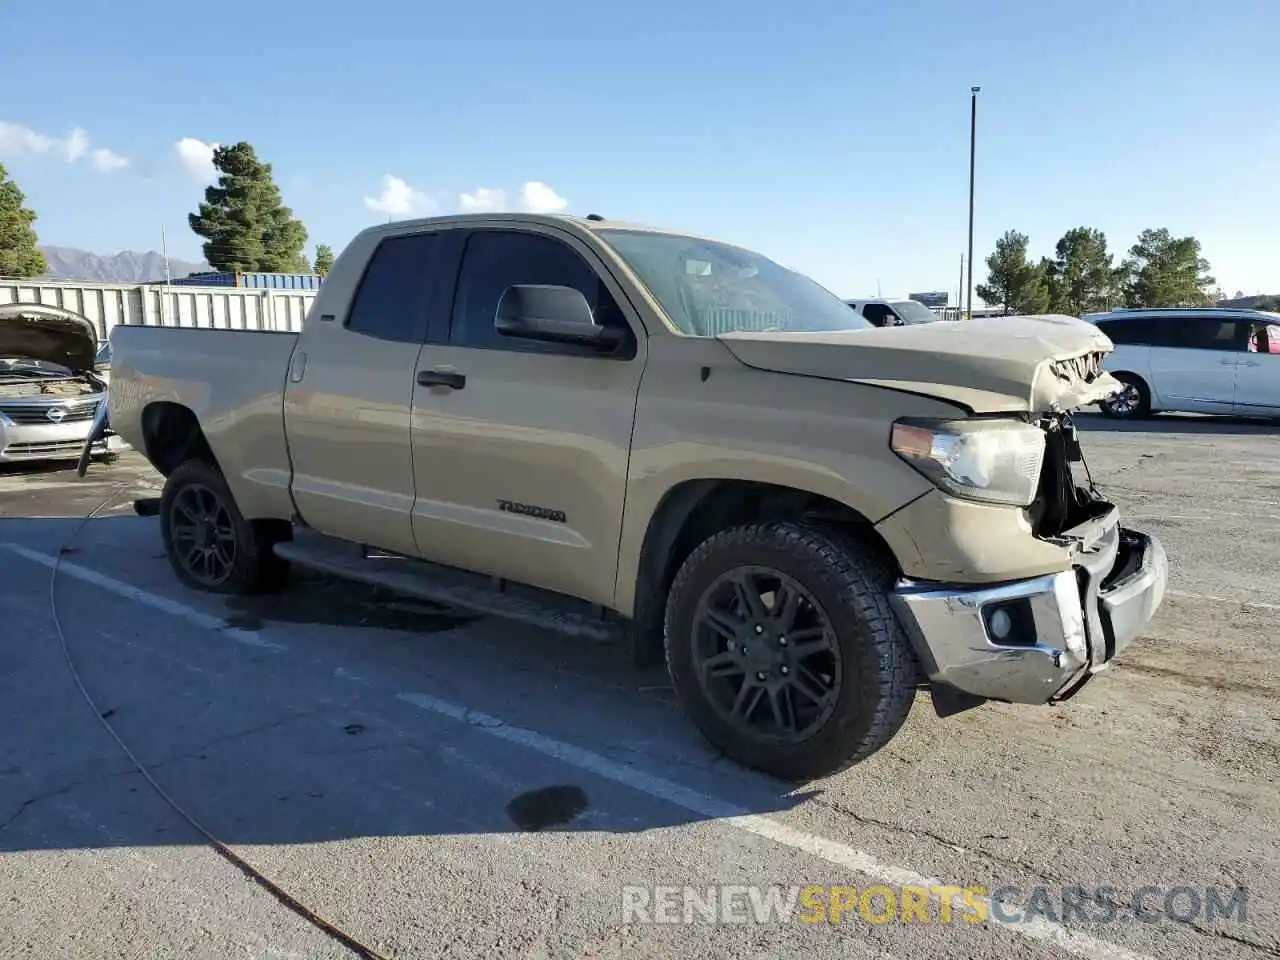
(243, 219)
(19, 255)
(324, 259)
(1014, 282)
(1167, 271)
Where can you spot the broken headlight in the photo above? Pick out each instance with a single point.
(996, 461)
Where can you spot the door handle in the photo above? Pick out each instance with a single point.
(441, 378)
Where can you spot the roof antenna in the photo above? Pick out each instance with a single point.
(595, 216)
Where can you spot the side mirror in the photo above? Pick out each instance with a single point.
(552, 314)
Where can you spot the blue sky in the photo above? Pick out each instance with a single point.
(831, 136)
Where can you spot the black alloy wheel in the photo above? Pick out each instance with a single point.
(766, 656)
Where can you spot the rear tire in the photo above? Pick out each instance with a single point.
(862, 670)
(209, 544)
(1132, 403)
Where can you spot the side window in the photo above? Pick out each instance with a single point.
(1130, 330)
(1263, 338)
(1270, 341)
(1210, 333)
(879, 314)
(497, 259)
(390, 302)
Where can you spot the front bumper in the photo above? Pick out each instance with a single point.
(27, 442)
(1056, 631)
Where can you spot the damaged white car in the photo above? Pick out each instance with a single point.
(50, 390)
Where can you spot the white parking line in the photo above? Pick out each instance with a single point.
(728, 814)
(1074, 942)
(248, 637)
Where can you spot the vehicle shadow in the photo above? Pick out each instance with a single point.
(315, 745)
(1175, 423)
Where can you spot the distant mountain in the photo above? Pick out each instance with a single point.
(68, 263)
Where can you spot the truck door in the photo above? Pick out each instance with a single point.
(350, 390)
(520, 449)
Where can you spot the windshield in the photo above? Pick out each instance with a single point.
(913, 311)
(710, 288)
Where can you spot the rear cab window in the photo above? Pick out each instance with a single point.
(390, 302)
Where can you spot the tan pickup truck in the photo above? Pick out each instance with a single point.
(614, 430)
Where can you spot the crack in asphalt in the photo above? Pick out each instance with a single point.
(1038, 872)
(188, 754)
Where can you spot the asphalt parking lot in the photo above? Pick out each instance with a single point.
(443, 786)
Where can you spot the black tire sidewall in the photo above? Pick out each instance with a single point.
(244, 576)
(865, 668)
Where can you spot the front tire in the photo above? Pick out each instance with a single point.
(1133, 402)
(209, 543)
(784, 650)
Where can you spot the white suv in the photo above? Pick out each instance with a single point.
(1193, 359)
(893, 313)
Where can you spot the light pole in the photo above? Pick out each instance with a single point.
(973, 139)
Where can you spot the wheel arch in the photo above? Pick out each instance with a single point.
(172, 435)
(693, 510)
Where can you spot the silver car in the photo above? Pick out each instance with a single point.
(50, 389)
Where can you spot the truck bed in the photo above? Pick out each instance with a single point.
(232, 380)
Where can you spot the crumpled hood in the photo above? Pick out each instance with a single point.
(1032, 364)
(32, 331)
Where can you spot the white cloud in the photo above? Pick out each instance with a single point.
(108, 160)
(76, 145)
(483, 200)
(537, 197)
(19, 141)
(196, 158)
(398, 199)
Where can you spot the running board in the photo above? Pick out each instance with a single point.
(450, 586)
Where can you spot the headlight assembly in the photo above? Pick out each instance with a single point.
(996, 461)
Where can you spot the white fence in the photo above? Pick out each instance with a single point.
(210, 308)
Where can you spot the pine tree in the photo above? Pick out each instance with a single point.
(243, 219)
(1167, 271)
(1014, 282)
(324, 259)
(19, 255)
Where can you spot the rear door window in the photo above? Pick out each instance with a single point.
(390, 303)
(1209, 333)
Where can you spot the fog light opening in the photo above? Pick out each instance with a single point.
(1010, 623)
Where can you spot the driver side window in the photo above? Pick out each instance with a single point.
(497, 259)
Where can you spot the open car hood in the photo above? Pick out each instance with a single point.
(32, 331)
(1033, 364)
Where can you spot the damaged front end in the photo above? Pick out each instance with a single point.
(1039, 640)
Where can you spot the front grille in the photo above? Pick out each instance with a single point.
(56, 448)
(34, 413)
(1079, 369)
